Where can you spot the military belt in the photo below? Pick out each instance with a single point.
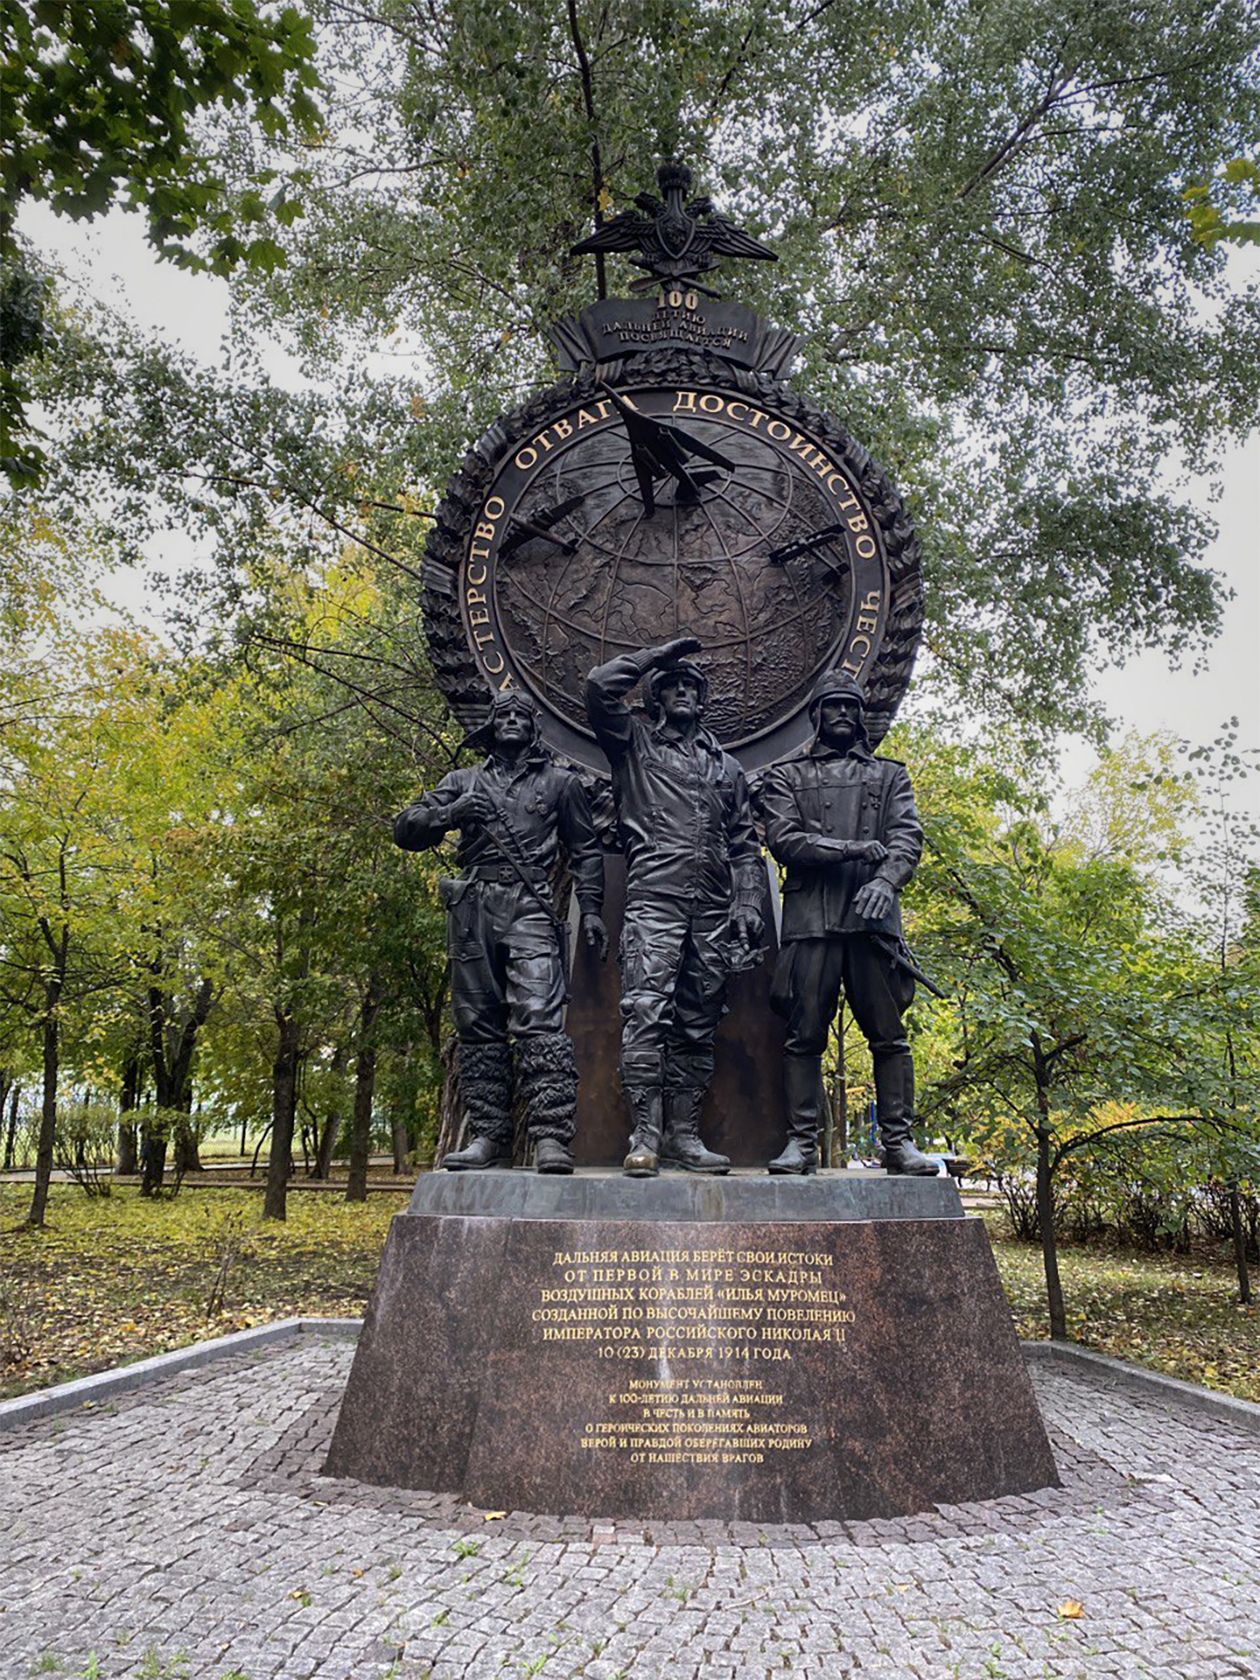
(502, 874)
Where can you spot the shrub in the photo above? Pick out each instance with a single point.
(84, 1144)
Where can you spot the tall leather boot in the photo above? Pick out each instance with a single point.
(485, 1088)
(646, 1105)
(681, 1146)
(642, 1085)
(549, 1079)
(803, 1088)
(894, 1107)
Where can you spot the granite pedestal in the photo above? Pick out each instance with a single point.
(747, 1348)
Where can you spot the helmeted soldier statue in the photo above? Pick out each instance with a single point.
(693, 886)
(843, 824)
(508, 968)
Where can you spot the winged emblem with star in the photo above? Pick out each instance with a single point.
(676, 239)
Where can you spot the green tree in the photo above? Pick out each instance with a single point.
(332, 933)
(1083, 999)
(66, 876)
(1226, 879)
(100, 102)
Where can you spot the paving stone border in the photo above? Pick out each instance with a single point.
(1153, 1385)
(104, 1385)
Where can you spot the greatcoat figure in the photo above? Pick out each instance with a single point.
(693, 894)
(843, 824)
(508, 968)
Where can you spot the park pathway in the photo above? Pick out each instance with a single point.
(183, 1533)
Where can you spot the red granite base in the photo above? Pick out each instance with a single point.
(768, 1372)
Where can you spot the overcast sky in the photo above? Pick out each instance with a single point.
(1213, 683)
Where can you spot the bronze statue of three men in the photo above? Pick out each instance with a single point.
(840, 821)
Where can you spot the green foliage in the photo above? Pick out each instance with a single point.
(197, 850)
(100, 97)
(1075, 981)
(1097, 1054)
(100, 102)
(84, 1145)
(1237, 184)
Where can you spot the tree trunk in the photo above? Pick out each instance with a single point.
(328, 1134)
(361, 1124)
(1240, 1244)
(48, 1111)
(129, 1096)
(10, 1136)
(1049, 1240)
(284, 1072)
(332, 1121)
(364, 1091)
(152, 1157)
(401, 1143)
(187, 1155)
(171, 1051)
(128, 1159)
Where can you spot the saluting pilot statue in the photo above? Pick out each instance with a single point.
(508, 990)
(843, 824)
(693, 894)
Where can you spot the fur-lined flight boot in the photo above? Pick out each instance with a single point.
(549, 1080)
(894, 1107)
(485, 1088)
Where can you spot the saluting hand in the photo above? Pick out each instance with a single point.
(669, 653)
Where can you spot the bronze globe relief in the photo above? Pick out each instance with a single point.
(672, 485)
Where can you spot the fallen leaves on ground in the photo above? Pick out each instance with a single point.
(1071, 1610)
(115, 1279)
(1176, 1313)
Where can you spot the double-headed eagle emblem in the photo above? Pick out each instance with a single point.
(676, 240)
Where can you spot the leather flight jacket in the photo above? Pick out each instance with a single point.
(544, 807)
(683, 811)
(853, 796)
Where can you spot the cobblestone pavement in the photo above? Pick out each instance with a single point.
(184, 1534)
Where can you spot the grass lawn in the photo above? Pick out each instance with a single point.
(116, 1279)
(1178, 1313)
